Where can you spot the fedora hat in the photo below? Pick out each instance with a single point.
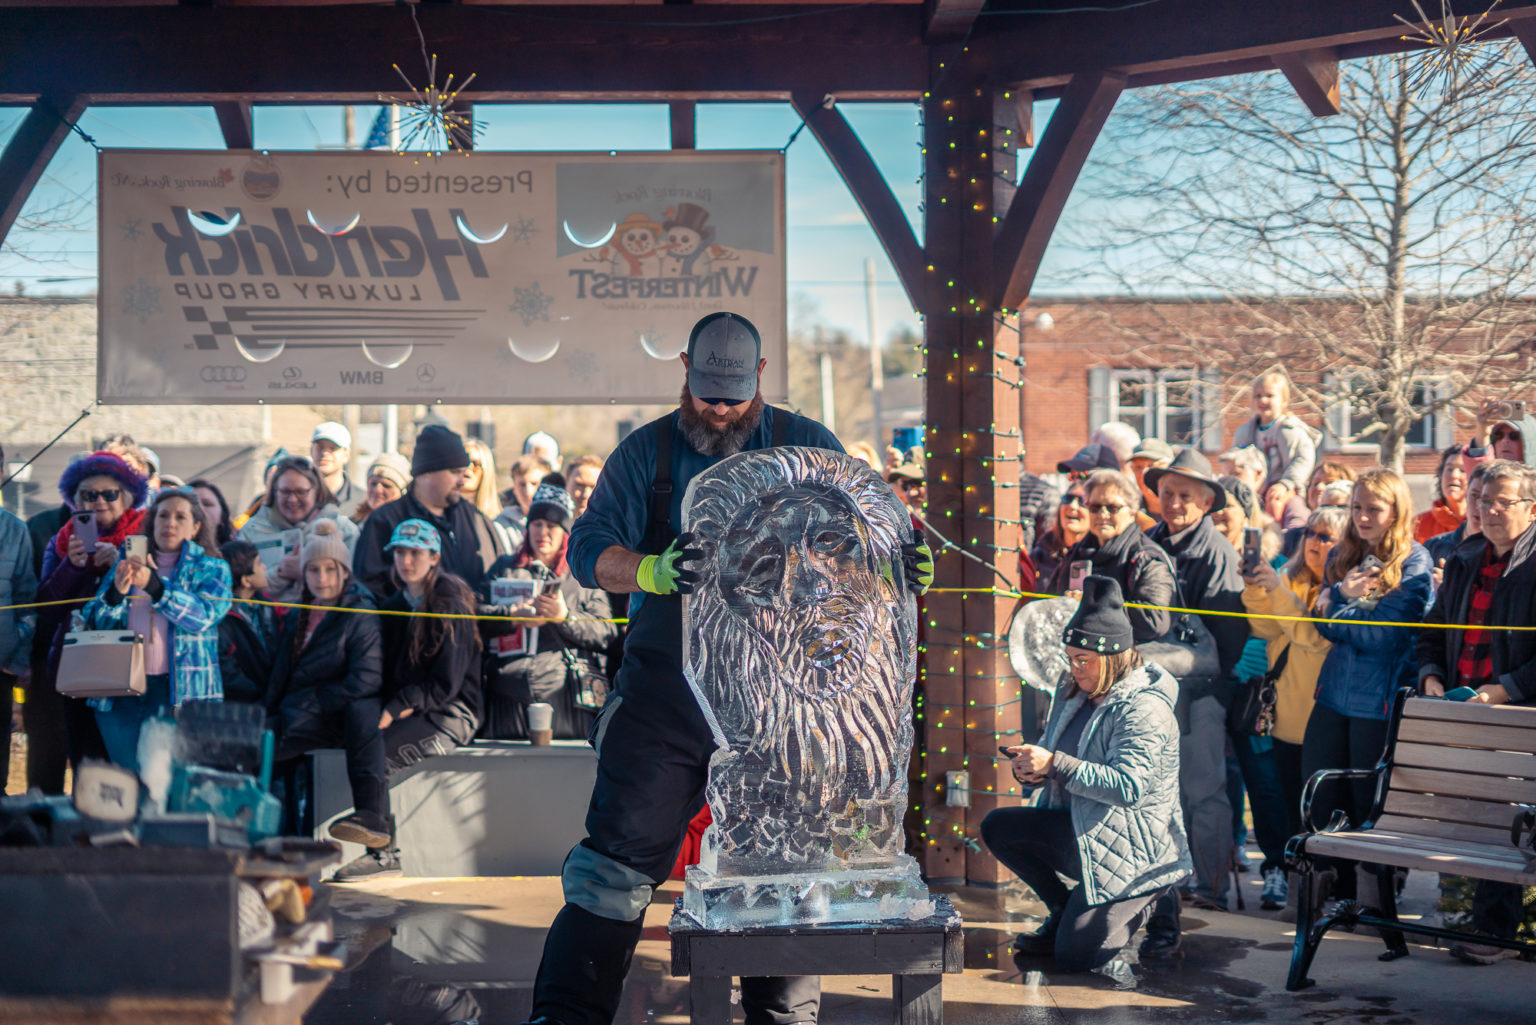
(1190, 463)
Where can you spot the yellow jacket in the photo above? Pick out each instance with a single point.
(1298, 684)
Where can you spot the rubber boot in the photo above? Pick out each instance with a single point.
(581, 975)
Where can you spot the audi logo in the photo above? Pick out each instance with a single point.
(292, 373)
(222, 375)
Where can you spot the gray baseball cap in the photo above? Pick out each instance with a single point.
(723, 352)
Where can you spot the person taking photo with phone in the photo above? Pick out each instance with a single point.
(1377, 574)
(103, 492)
(171, 587)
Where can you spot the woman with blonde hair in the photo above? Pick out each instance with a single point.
(479, 486)
(1376, 575)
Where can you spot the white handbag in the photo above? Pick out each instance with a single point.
(102, 664)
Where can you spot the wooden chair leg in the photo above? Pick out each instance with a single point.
(919, 999)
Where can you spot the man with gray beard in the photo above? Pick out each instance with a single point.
(653, 744)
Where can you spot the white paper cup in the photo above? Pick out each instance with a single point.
(541, 722)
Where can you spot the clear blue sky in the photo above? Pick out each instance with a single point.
(829, 239)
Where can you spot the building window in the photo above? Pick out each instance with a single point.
(1162, 404)
(1349, 418)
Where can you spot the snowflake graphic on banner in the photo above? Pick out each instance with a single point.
(531, 303)
(130, 229)
(141, 299)
(524, 230)
(581, 365)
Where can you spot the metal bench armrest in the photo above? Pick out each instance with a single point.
(1340, 820)
(1522, 832)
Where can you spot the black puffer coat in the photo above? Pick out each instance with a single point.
(443, 687)
(342, 662)
(1143, 570)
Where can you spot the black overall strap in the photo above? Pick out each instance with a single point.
(658, 532)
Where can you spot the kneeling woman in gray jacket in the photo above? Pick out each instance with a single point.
(1108, 811)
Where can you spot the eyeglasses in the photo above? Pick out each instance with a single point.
(1319, 536)
(724, 402)
(1109, 508)
(1501, 435)
(1082, 661)
(295, 492)
(105, 494)
(913, 485)
(1077, 500)
(1499, 504)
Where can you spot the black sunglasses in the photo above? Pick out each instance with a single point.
(1316, 535)
(105, 494)
(724, 402)
(1077, 500)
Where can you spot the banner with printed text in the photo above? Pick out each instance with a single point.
(365, 277)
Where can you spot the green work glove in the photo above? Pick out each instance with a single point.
(667, 573)
(917, 562)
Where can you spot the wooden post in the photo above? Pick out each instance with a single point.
(972, 417)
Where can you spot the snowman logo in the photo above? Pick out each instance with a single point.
(634, 248)
(686, 242)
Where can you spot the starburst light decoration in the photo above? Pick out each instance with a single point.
(429, 121)
(1453, 60)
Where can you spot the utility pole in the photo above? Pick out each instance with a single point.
(876, 356)
(828, 405)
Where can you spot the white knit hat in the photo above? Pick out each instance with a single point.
(324, 542)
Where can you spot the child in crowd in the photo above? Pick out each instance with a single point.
(247, 632)
(1288, 445)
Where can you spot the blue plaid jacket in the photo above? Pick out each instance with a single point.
(195, 599)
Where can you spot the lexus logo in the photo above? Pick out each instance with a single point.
(222, 375)
(292, 373)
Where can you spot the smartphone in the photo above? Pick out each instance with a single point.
(292, 540)
(1253, 539)
(85, 530)
(138, 547)
(1460, 694)
(1078, 573)
(1370, 562)
(1004, 751)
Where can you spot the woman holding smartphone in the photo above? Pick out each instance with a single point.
(171, 587)
(1376, 574)
(103, 493)
(566, 622)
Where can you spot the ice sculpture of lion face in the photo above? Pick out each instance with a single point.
(800, 635)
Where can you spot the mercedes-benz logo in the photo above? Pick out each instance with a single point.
(426, 372)
(222, 375)
(292, 373)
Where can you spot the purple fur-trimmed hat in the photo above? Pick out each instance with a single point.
(103, 464)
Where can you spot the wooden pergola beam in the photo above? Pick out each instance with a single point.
(1177, 42)
(869, 187)
(949, 19)
(235, 123)
(1525, 31)
(34, 143)
(1314, 74)
(558, 52)
(1026, 229)
(682, 118)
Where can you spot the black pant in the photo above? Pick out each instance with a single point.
(1497, 908)
(414, 739)
(7, 681)
(60, 732)
(1266, 798)
(1337, 741)
(302, 727)
(1288, 765)
(653, 749)
(1040, 845)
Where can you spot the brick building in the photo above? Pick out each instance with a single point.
(1093, 360)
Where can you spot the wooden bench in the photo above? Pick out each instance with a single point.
(1455, 792)
(916, 954)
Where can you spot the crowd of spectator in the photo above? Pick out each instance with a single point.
(270, 607)
(261, 603)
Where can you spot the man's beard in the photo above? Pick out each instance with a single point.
(711, 440)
